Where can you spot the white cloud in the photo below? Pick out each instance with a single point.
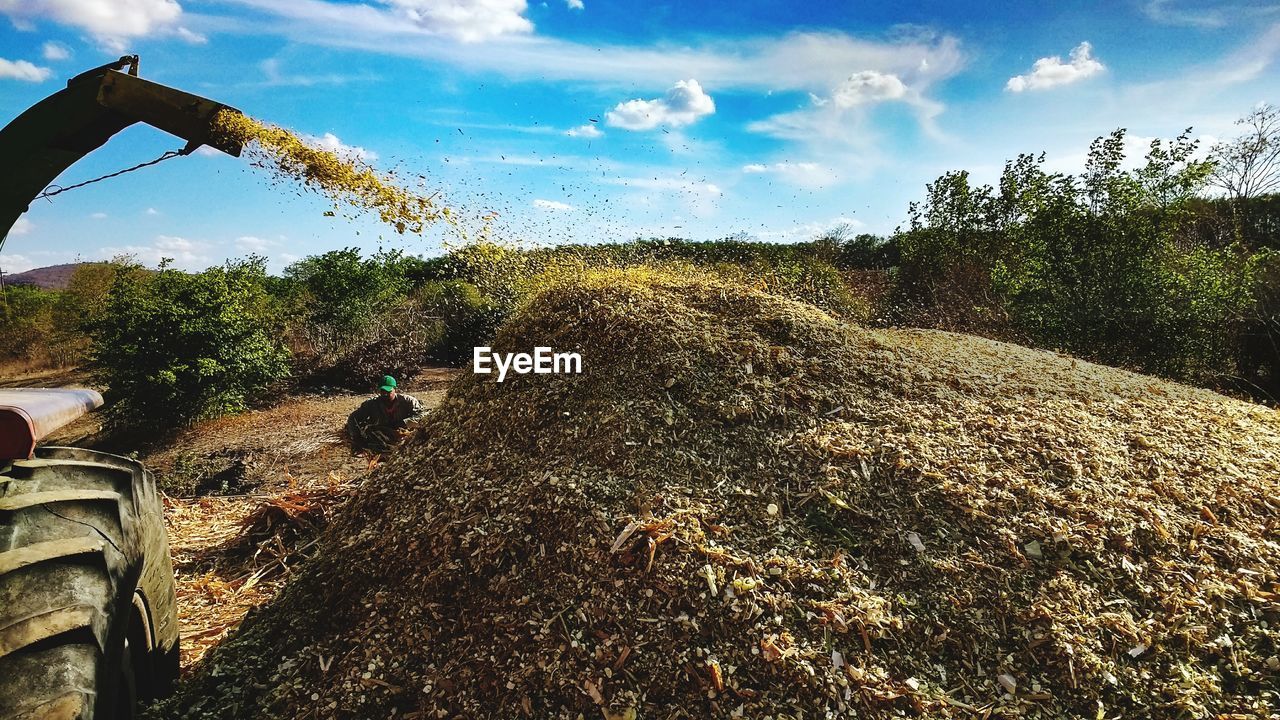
(275, 76)
(587, 131)
(1051, 71)
(804, 61)
(55, 51)
(803, 174)
(867, 87)
(465, 20)
(551, 205)
(22, 226)
(23, 70)
(838, 120)
(574, 4)
(190, 36)
(333, 144)
(186, 254)
(99, 216)
(13, 264)
(171, 242)
(1205, 15)
(683, 104)
(112, 22)
(256, 245)
(151, 211)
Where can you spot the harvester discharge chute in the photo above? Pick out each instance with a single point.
(88, 623)
(53, 134)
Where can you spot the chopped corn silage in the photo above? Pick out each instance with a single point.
(341, 178)
(744, 508)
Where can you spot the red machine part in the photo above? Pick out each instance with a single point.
(29, 414)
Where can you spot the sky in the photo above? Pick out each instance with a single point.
(605, 120)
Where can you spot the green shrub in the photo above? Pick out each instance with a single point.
(26, 321)
(175, 347)
(335, 299)
(1095, 264)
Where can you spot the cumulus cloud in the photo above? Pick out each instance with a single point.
(587, 131)
(682, 105)
(867, 87)
(55, 51)
(840, 116)
(23, 70)
(112, 22)
(465, 20)
(551, 205)
(574, 4)
(333, 144)
(1051, 71)
(803, 174)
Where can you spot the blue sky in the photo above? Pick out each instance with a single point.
(602, 120)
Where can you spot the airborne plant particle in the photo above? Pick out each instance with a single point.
(343, 180)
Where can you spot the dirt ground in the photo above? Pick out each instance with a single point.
(283, 471)
(245, 496)
(13, 375)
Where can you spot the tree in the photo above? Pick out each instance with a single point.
(337, 298)
(1090, 264)
(26, 322)
(1249, 166)
(175, 347)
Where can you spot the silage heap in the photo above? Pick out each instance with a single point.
(744, 508)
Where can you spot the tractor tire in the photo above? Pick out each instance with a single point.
(88, 629)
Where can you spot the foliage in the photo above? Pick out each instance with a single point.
(1249, 166)
(26, 321)
(438, 323)
(338, 296)
(175, 347)
(1092, 264)
(1259, 346)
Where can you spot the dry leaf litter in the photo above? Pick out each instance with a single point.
(744, 508)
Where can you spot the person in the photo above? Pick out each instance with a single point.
(381, 423)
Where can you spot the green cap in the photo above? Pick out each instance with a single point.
(388, 383)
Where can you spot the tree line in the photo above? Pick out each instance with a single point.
(1168, 266)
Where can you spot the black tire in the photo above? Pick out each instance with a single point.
(87, 622)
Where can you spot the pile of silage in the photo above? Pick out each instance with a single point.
(746, 509)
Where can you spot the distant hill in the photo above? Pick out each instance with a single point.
(54, 277)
